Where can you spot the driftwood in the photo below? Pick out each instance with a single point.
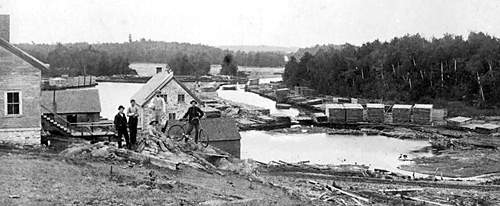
(333, 189)
(401, 190)
(424, 201)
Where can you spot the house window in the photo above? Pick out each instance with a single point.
(164, 96)
(13, 103)
(180, 98)
(171, 116)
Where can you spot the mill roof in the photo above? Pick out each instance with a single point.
(72, 101)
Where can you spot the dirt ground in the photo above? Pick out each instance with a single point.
(41, 178)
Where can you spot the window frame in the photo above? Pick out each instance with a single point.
(179, 98)
(170, 115)
(6, 112)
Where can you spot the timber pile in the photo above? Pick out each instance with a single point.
(335, 113)
(375, 113)
(165, 153)
(422, 114)
(401, 113)
(354, 113)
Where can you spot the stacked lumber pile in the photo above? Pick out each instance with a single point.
(422, 114)
(282, 95)
(335, 113)
(401, 113)
(375, 112)
(354, 113)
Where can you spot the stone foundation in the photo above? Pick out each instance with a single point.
(24, 136)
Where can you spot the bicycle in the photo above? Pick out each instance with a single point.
(178, 133)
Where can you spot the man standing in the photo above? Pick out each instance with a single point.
(121, 126)
(193, 115)
(133, 119)
(159, 106)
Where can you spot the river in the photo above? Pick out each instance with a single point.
(375, 151)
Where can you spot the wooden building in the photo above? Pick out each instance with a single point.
(401, 113)
(76, 105)
(20, 87)
(354, 113)
(223, 133)
(375, 113)
(335, 113)
(176, 95)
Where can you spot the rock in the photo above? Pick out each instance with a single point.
(101, 152)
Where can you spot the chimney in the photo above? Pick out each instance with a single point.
(158, 69)
(5, 27)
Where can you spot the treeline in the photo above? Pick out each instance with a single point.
(85, 61)
(406, 69)
(164, 52)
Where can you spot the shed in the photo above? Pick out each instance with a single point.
(335, 113)
(401, 113)
(458, 121)
(354, 112)
(487, 128)
(422, 113)
(375, 112)
(76, 105)
(223, 133)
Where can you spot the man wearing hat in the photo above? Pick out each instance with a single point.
(193, 115)
(120, 122)
(159, 106)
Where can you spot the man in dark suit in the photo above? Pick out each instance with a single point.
(121, 127)
(193, 116)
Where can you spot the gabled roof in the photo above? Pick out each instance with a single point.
(70, 101)
(154, 84)
(23, 55)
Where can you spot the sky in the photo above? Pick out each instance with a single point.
(297, 23)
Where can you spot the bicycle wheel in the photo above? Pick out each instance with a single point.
(203, 138)
(176, 132)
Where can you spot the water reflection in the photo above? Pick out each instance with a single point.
(375, 151)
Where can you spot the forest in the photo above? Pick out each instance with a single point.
(408, 69)
(186, 58)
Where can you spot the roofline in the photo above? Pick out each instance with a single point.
(23, 55)
(188, 91)
(165, 83)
